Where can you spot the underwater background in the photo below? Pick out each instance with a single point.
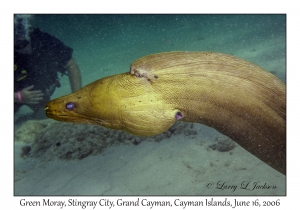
(56, 158)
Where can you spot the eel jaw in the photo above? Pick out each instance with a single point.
(65, 116)
(56, 109)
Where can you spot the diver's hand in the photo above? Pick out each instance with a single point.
(31, 97)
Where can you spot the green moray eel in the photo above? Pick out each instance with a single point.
(229, 94)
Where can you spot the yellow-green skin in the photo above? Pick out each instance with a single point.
(236, 97)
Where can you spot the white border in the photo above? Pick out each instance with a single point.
(8, 8)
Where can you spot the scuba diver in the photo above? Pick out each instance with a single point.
(38, 58)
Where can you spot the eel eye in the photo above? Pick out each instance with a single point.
(70, 105)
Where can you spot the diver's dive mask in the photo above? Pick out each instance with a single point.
(21, 32)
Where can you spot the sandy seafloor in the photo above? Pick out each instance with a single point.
(184, 163)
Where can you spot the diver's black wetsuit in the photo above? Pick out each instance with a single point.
(49, 56)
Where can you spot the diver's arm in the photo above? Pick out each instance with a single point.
(74, 75)
(16, 99)
(28, 96)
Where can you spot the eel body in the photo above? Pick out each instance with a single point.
(236, 97)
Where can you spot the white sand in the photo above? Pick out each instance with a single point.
(176, 166)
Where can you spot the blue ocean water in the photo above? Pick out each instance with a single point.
(105, 45)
